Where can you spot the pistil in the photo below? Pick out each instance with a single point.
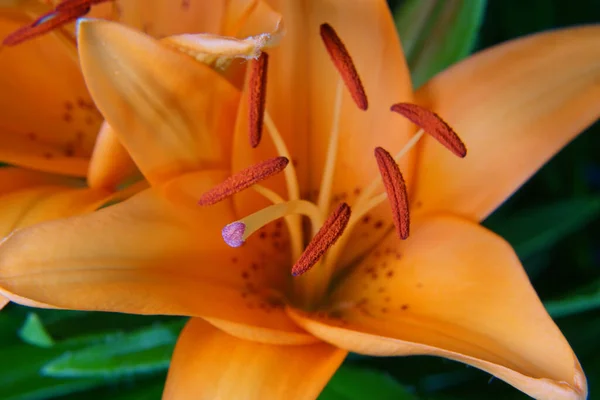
(236, 233)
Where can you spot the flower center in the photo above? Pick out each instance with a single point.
(320, 256)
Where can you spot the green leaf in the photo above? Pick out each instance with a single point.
(34, 332)
(437, 33)
(586, 299)
(350, 383)
(123, 354)
(535, 230)
(20, 379)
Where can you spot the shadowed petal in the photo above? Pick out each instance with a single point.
(155, 253)
(12, 179)
(171, 113)
(454, 290)
(110, 164)
(47, 121)
(27, 207)
(248, 370)
(514, 106)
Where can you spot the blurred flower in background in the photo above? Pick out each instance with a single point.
(69, 360)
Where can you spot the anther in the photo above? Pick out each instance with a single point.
(233, 234)
(243, 180)
(326, 237)
(343, 63)
(396, 191)
(431, 123)
(44, 24)
(67, 5)
(257, 95)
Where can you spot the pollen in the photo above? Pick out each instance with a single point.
(326, 237)
(396, 190)
(344, 64)
(243, 180)
(257, 96)
(68, 5)
(43, 24)
(432, 124)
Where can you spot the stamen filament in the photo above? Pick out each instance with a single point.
(243, 180)
(332, 148)
(329, 233)
(291, 178)
(239, 231)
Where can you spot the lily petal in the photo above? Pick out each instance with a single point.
(160, 18)
(110, 164)
(456, 290)
(3, 301)
(41, 78)
(301, 98)
(27, 207)
(514, 106)
(172, 114)
(155, 253)
(13, 179)
(250, 370)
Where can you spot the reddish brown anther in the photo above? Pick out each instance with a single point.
(257, 96)
(343, 63)
(396, 190)
(44, 24)
(67, 5)
(329, 233)
(432, 124)
(243, 180)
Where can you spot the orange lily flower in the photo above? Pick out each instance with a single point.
(452, 289)
(49, 122)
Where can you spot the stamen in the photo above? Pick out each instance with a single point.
(257, 86)
(343, 63)
(243, 180)
(237, 232)
(431, 123)
(396, 190)
(329, 233)
(43, 25)
(67, 5)
(366, 202)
